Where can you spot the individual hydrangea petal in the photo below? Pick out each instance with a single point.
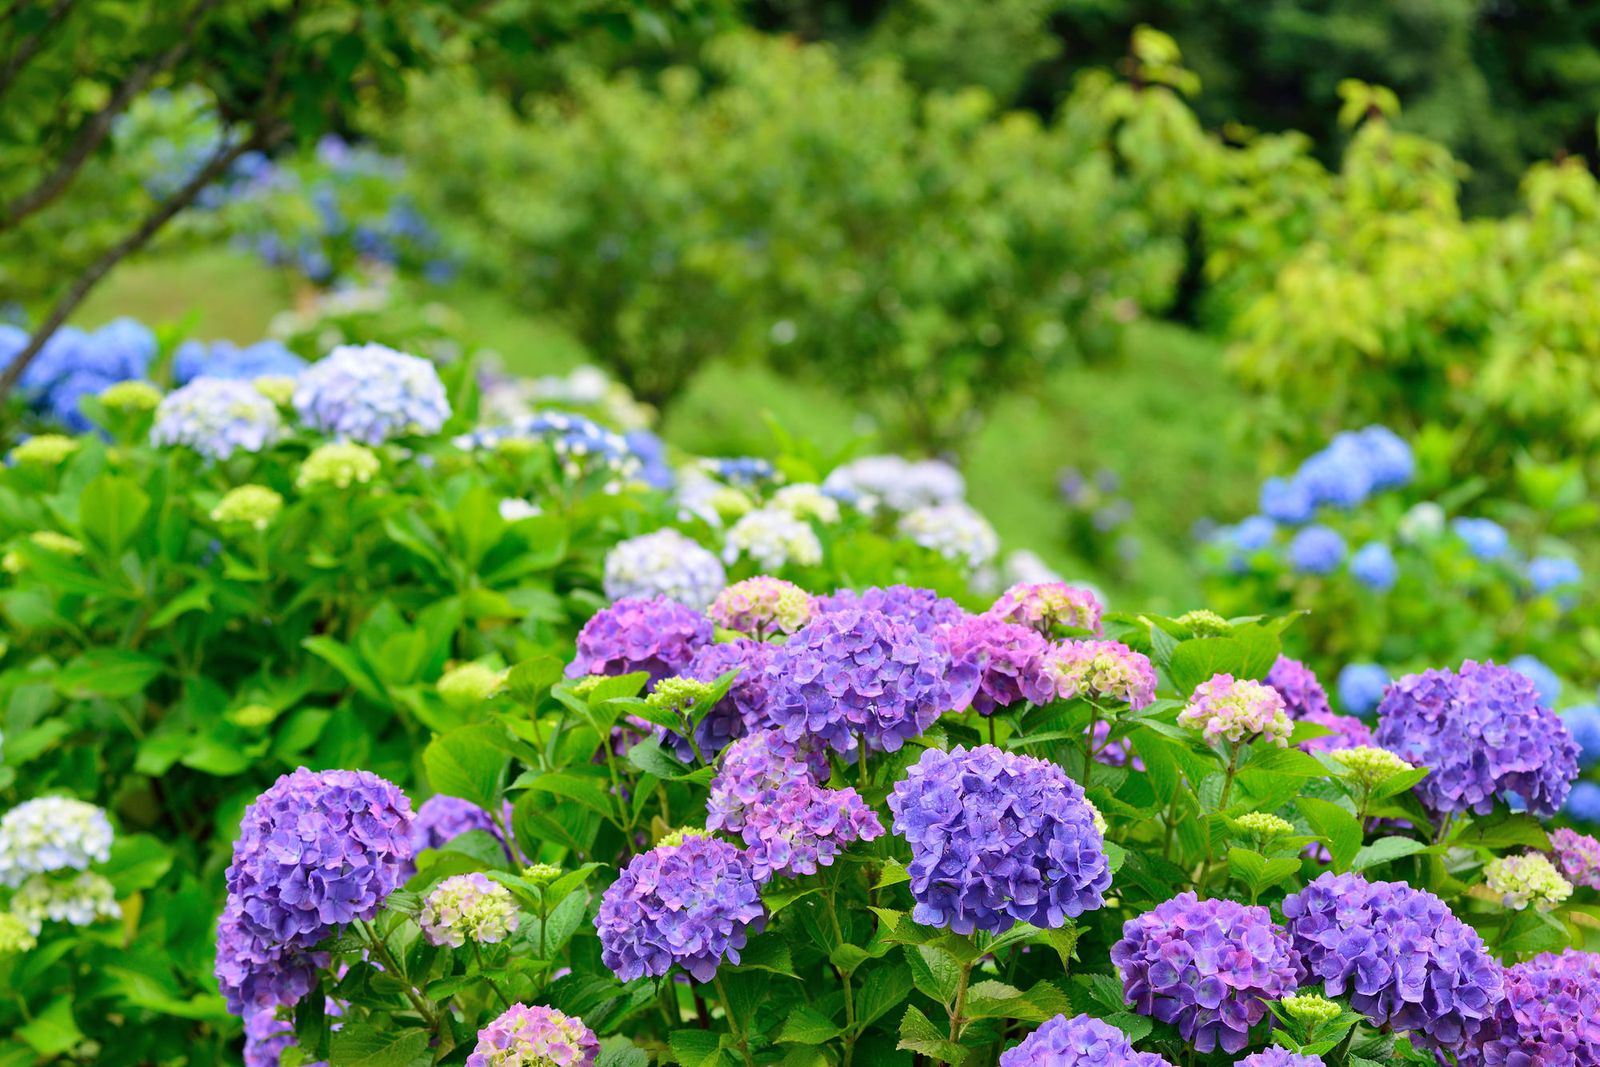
(468, 907)
(692, 903)
(534, 1037)
(1206, 966)
(664, 563)
(1049, 607)
(925, 610)
(997, 838)
(1577, 855)
(52, 834)
(371, 393)
(1549, 1016)
(1237, 711)
(659, 636)
(1081, 1041)
(954, 530)
(1483, 735)
(1406, 962)
(1306, 701)
(762, 607)
(216, 418)
(1008, 658)
(1101, 671)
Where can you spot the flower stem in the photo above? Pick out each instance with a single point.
(959, 1009)
(733, 1023)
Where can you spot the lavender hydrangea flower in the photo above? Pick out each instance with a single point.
(1049, 607)
(1101, 670)
(925, 610)
(535, 1037)
(861, 676)
(997, 838)
(442, 819)
(267, 1037)
(1406, 962)
(315, 851)
(792, 830)
(216, 418)
(1081, 1041)
(1236, 711)
(773, 539)
(754, 767)
(692, 903)
(1206, 966)
(744, 708)
(896, 483)
(1550, 1016)
(1306, 701)
(224, 359)
(659, 636)
(52, 834)
(1483, 735)
(1278, 1056)
(370, 393)
(664, 563)
(1009, 660)
(468, 907)
(762, 607)
(256, 974)
(1577, 855)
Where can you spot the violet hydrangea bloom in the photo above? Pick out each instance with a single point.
(762, 606)
(997, 838)
(862, 676)
(1550, 1016)
(1206, 966)
(216, 418)
(1278, 1056)
(266, 1037)
(534, 1037)
(756, 767)
(256, 974)
(1483, 735)
(1577, 855)
(924, 609)
(1101, 670)
(659, 636)
(792, 830)
(1081, 1041)
(370, 393)
(1009, 660)
(1306, 701)
(1406, 962)
(693, 903)
(1236, 710)
(743, 709)
(441, 819)
(1046, 606)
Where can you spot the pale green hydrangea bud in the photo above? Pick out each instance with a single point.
(254, 506)
(340, 465)
(468, 907)
(469, 684)
(680, 835)
(678, 694)
(278, 388)
(1204, 623)
(730, 504)
(516, 447)
(15, 936)
(584, 686)
(1310, 1009)
(1263, 824)
(131, 398)
(252, 716)
(541, 874)
(1099, 819)
(1369, 766)
(45, 450)
(50, 541)
(1524, 880)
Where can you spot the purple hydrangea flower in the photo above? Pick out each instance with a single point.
(1278, 1056)
(216, 418)
(1081, 1041)
(315, 851)
(925, 610)
(659, 636)
(853, 676)
(1101, 670)
(1405, 961)
(266, 1037)
(1049, 606)
(370, 393)
(1206, 966)
(1238, 710)
(1306, 701)
(798, 826)
(692, 904)
(1550, 1016)
(754, 767)
(441, 819)
(997, 838)
(535, 1037)
(1009, 660)
(1577, 855)
(1482, 734)
(743, 709)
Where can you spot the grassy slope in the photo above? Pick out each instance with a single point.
(1155, 418)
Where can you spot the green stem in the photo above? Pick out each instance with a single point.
(385, 957)
(1222, 805)
(477, 955)
(957, 1023)
(850, 1034)
(733, 1023)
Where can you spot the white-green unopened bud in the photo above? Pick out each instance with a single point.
(1524, 880)
(254, 506)
(339, 465)
(45, 450)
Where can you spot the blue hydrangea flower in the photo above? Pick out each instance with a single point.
(741, 470)
(1373, 566)
(74, 364)
(1316, 550)
(664, 563)
(997, 838)
(224, 359)
(1286, 501)
(582, 446)
(1545, 680)
(1483, 735)
(1583, 803)
(1361, 686)
(1339, 474)
(1081, 1041)
(1206, 966)
(1390, 462)
(370, 393)
(692, 904)
(658, 635)
(216, 418)
(1254, 533)
(1406, 962)
(1583, 722)
(1484, 538)
(862, 676)
(1551, 573)
(1550, 1016)
(1278, 1056)
(925, 610)
(651, 452)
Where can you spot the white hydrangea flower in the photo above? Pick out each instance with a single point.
(52, 834)
(81, 901)
(664, 563)
(773, 539)
(953, 530)
(896, 483)
(514, 509)
(804, 500)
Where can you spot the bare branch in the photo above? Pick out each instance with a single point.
(29, 47)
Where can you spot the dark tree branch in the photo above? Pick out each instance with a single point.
(29, 47)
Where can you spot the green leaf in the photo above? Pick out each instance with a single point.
(107, 672)
(368, 1046)
(651, 758)
(620, 1052)
(917, 1034)
(767, 953)
(1338, 829)
(110, 510)
(997, 1000)
(882, 989)
(1257, 872)
(349, 664)
(1531, 932)
(531, 679)
(52, 1032)
(468, 762)
(1246, 653)
(695, 1048)
(934, 972)
(808, 1026)
(1385, 849)
(137, 862)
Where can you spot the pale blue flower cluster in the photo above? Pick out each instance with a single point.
(371, 393)
(217, 417)
(52, 834)
(954, 530)
(1353, 467)
(224, 359)
(664, 563)
(896, 483)
(74, 364)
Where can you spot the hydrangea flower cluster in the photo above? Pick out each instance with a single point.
(793, 829)
(1550, 1016)
(762, 606)
(1101, 670)
(1374, 566)
(1550, 574)
(216, 418)
(45, 450)
(756, 766)
(1278, 1056)
(441, 819)
(15, 935)
(1483, 735)
(338, 465)
(1050, 606)
(1369, 766)
(468, 907)
(896, 483)
(691, 903)
(1577, 855)
(656, 635)
(534, 1037)
(806, 501)
(1351, 468)
(861, 676)
(1206, 966)
(954, 530)
(773, 539)
(1361, 686)
(1237, 710)
(52, 834)
(1081, 1041)
(254, 506)
(925, 610)
(317, 850)
(82, 901)
(1524, 880)
(1009, 659)
(131, 398)
(224, 359)
(664, 563)
(582, 446)
(742, 709)
(1306, 701)
(371, 393)
(1405, 961)
(1316, 550)
(468, 684)
(1485, 539)
(997, 838)
(74, 364)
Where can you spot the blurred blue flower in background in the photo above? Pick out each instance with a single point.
(1374, 567)
(1545, 680)
(1286, 501)
(1484, 538)
(1549, 573)
(74, 364)
(1584, 722)
(1583, 803)
(1316, 550)
(224, 359)
(1361, 686)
